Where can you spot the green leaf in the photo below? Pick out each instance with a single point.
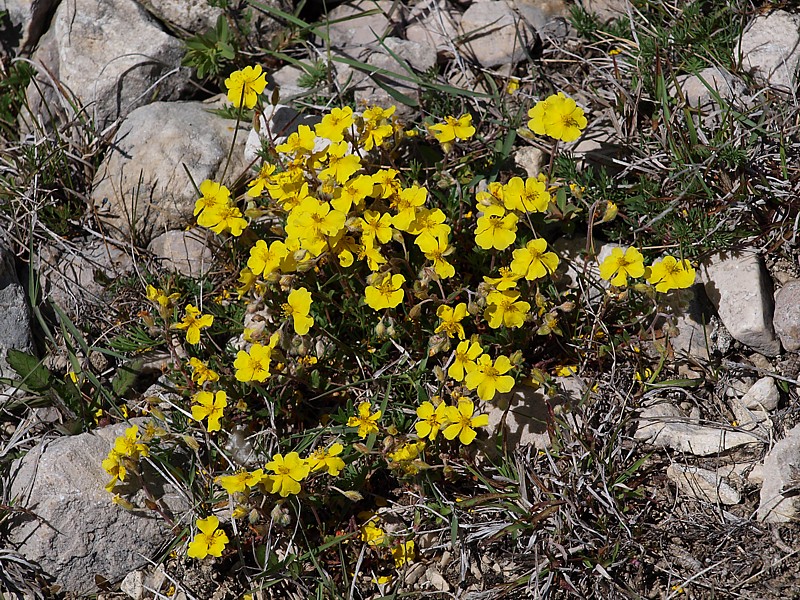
(125, 377)
(30, 369)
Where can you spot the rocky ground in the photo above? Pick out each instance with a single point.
(677, 471)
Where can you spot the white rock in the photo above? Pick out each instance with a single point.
(28, 21)
(577, 271)
(607, 9)
(112, 55)
(436, 580)
(756, 475)
(198, 16)
(434, 25)
(531, 159)
(663, 424)
(702, 484)
(787, 315)
(521, 417)
(78, 532)
(495, 35)
(692, 325)
(15, 315)
(187, 252)
(770, 45)
(142, 186)
(133, 585)
(287, 79)
(779, 500)
(741, 291)
(763, 395)
(699, 90)
(548, 18)
(364, 30)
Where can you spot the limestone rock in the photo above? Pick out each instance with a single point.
(287, 80)
(521, 417)
(779, 500)
(703, 484)
(186, 252)
(26, 22)
(111, 55)
(434, 25)
(359, 29)
(762, 395)
(741, 291)
(495, 35)
(699, 91)
(15, 316)
(79, 533)
(547, 17)
(142, 186)
(663, 424)
(607, 9)
(692, 326)
(787, 315)
(770, 46)
(531, 159)
(76, 277)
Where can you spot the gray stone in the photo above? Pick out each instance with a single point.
(187, 252)
(755, 420)
(111, 55)
(548, 18)
(495, 35)
(663, 424)
(786, 319)
(434, 25)
(763, 395)
(76, 276)
(287, 80)
(521, 416)
(700, 92)
(703, 484)
(133, 585)
(414, 57)
(77, 532)
(26, 22)
(142, 187)
(779, 498)
(740, 289)
(577, 271)
(531, 159)
(770, 46)
(361, 29)
(691, 327)
(607, 9)
(15, 315)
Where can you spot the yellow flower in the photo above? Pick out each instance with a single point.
(327, 459)
(532, 262)
(451, 320)
(428, 225)
(244, 86)
(367, 423)
(436, 251)
(221, 218)
(432, 419)
(341, 163)
(161, 298)
(192, 323)
(403, 553)
(372, 534)
(254, 365)
(406, 204)
(256, 187)
(209, 405)
(288, 473)
(452, 129)
(671, 274)
(386, 291)
(376, 226)
(210, 541)
(512, 86)
(495, 230)
(558, 117)
(526, 196)
(506, 281)
(334, 123)
(462, 421)
(266, 259)
(620, 265)
(299, 143)
(465, 355)
(213, 194)
(504, 309)
(201, 372)
(405, 456)
(352, 192)
(240, 481)
(489, 377)
(297, 306)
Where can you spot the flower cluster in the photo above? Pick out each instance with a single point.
(558, 117)
(124, 456)
(666, 274)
